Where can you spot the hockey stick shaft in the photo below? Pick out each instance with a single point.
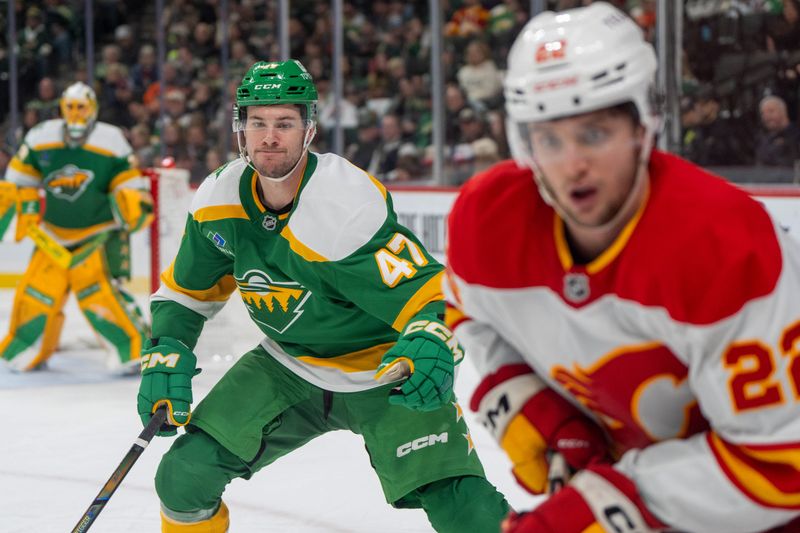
(100, 501)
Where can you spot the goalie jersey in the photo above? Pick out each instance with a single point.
(330, 282)
(682, 339)
(77, 180)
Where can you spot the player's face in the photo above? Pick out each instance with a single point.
(588, 162)
(274, 135)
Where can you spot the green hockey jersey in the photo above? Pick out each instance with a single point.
(76, 180)
(330, 282)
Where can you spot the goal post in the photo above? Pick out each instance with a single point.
(172, 196)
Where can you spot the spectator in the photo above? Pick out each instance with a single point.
(361, 152)
(144, 73)
(468, 21)
(710, 138)
(388, 150)
(455, 101)
(128, 47)
(34, 48)
(475, 150)
(213, 160)
(46, 105)
(779, 141)
(480, 78)
(143, 149)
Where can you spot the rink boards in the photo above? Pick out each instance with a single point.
(423, 210)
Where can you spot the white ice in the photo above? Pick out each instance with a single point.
(65, 429)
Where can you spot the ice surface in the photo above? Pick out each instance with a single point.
(65, 429)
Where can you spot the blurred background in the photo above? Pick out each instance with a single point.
(409, 90)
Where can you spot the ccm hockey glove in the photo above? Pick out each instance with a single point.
(168, 367)
(533, 424)
(599, 498)
(430, 352)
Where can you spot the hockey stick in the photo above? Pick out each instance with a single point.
(122, 470)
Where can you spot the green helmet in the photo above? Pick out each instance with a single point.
(271, 83)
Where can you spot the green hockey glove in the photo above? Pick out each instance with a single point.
(427, 353)
(168, 367)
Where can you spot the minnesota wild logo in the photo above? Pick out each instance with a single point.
(274, 304)
(68, 182)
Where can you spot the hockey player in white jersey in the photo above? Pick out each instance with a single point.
(623, 306)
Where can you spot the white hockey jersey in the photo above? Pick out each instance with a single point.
(682, 339)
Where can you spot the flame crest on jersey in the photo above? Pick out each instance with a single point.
(576, 287)
(274, 304)
(68, 182)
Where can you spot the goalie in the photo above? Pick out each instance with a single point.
(94, 198)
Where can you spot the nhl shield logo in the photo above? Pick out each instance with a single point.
(576, 287)
(269, 222)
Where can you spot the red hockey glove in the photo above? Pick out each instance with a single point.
(599, 498)
(530, 421)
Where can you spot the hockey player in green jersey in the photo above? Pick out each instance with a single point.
(342, 292)
(94, 198)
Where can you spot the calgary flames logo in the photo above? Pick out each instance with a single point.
(640, 393)
(68, 182)
(274, 304)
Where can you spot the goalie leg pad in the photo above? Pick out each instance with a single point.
(8, 205)
(173, 522)
(113, 317)
(27, 210)
(36, 318)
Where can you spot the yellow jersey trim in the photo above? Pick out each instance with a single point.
(122, 177)
(219, 212)
(217, 293)
(77, 234)
(100, 151)
(610, 253)
(28, 170)
(48, 146)
(360, 361)
(431, 291)
(301, 249)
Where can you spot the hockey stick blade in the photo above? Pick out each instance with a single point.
(100, 501)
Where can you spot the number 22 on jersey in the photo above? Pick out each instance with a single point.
(752, 367)
(392, 267)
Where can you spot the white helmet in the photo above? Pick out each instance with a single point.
(577, 61)
(79, 109)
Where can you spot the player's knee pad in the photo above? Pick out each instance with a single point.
(36, 317)
(464, 503)
(191, 476)
(114, 317)
(211, 521)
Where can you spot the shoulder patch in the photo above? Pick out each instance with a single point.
(339, 210)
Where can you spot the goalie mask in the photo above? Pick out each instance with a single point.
(79, 109)
(576, 62)
(275, 83)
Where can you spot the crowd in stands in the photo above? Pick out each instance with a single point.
(387, 108)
